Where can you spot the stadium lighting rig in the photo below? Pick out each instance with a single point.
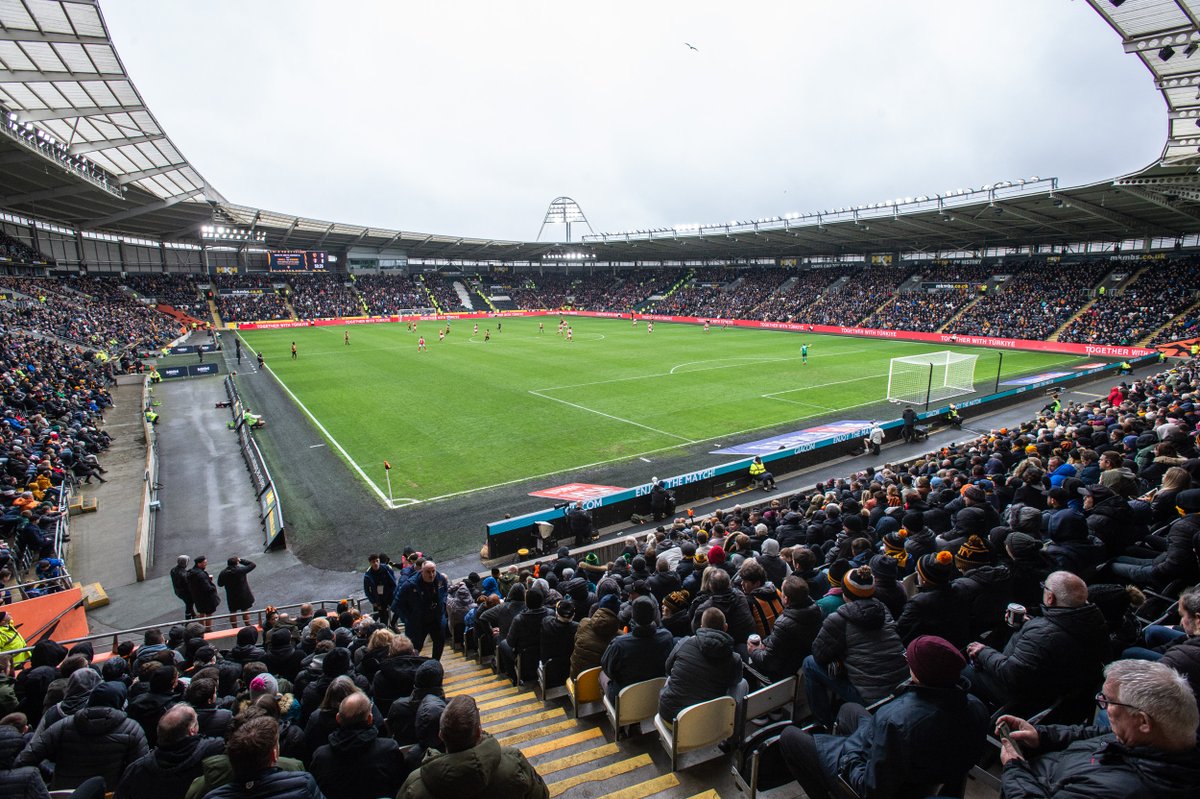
(34, 138)
(229, 233)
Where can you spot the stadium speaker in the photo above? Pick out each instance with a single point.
(1166, 53)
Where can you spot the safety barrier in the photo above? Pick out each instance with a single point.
(270, 509)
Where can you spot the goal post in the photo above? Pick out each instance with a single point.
(931, 377)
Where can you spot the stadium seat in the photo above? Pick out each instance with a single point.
(545, 692)
(585, 694)
(635, 703)
(697, 727)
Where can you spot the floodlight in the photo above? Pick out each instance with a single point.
(1190, 50)
(1166, 53)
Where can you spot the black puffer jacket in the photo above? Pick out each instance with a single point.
(986, 592)
(402, 718)
(557, 644)
(1060, 653)
(1179, 561)
(935, 611)
(283, 658)
(18, 783)
(96, 741)
(637, 656)
(395, 679)
(1113, 522)
(358, 763)
(1089, 763)
(662, 584)
(862, 637)
(1184, 657)
(273, 783)
(168, 771)
(790, 641)
(700, 668)
(737, 615)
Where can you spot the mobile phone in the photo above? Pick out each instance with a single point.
(1004, 731)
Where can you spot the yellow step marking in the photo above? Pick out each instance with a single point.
(603, 773)
(475, 674)
(557, 713)
(504, 701)
(710, 794)
(488, 694)
(651, 787)
(562, 743)
(515, 710)
(540, 732)
(577, 759)
(478, 683)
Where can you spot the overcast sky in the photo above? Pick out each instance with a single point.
(468, 118)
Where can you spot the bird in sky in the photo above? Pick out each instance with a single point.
(692, 46)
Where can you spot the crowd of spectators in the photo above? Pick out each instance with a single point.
(613, 292)
(389, 294)
(94, 312)
(176, 290)
(13, 249)
(858, 298)
(922, 311)
(1157, 295)
(726, 293)
(445, 296)
(801, 290)
(249, 307)
(1036, 300)
(247, 280)
(322, 296)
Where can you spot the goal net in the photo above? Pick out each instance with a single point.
(931, 377)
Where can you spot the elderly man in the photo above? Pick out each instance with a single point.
(1060, 653)
(169, 769)
(1150, 750)
(422, 601)
(474, 764)
(356, 761)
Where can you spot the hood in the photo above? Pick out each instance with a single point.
(1068, 525)
(96, 721)
(79, 687)
(464, 774)
(605, 623)
(401, 665)
(353, 740)
(185, 755)
(990, 575)
(462, 594)
(576, 588)
(280, 640)
(247, 636)
(714, 644)
(866, 613)
(336, 662)
(47, 653)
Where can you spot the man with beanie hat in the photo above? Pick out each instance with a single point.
(887, 587)
(985, 589)
(524, 639)
(861, 642)
(775, 566)
(929, 736)
(833, 598)
(1029, 566)
(558, 641)
(641, 654)
(934, 610)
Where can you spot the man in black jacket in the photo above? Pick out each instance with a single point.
(783, 651)
(179, 585)
(524, 638)
(1060, 653)
(701, 668)
(639, 655)
(558, 642)
(1150, 751)
(253, 752)
(357, 762)
(167, 772)
(237, 589)
(203, 590)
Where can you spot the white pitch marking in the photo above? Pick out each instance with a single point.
(614, 418)
(314, 446)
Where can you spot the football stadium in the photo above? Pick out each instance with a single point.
(907, 492)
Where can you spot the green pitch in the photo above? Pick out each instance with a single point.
(468, 414)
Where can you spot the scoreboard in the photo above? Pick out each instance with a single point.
(296, 260)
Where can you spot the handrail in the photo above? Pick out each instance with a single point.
(318, 606)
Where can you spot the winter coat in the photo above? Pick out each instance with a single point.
(1113, 522)
(402, 717)
(18, 783)
(1179, 562)
(923, 738)
(237, 585)
(214, 721)
(395, 678)
(700, 668)
(790, 641)
(204, 590)
(379, 586)
(358, 763)
(892, 594)
(636, 656)
(1184, 657)
(323, 723)
(935, 611)
(458, 604)
(776, 568)
(284, 660)
(525, 636)
(147, 709)
(986, 592)
(422, 605)
(485, 771)
(663, 584)
(737, 615)
(167, 772)
(274, 783)
(862, 637)
(217, 772)
(591, 640)
(96, 741)
(1089, 763)
(579, 591)
(557, 644)
(1034, 668)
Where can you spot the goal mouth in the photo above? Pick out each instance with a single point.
(931, 377)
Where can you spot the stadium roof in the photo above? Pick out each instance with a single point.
(78, 146)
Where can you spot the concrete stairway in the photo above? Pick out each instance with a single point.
(949, 322)
(575, 757)
(1189, 312)
(1074, 316)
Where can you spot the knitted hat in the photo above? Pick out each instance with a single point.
(885, 567)
(611, 601)
(676, 601)
(1031, 450)
(971, 520)
(716, 555)
(534, 599)
(913, 520)
(860, 582)
(701, 559)
(837, 571)
(263, 685)
(1188, 501)
(854, 523)
(937, 568)
(770, 547)
(972, 554)
(934, 661)
(1023, 546)
(565, 609)
(107, 694)
(893, 543)
(643, 611)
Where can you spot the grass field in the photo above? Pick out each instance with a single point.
(468, 414)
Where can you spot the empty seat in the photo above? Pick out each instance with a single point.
(635, 703)
(697, 727)
(585, 693)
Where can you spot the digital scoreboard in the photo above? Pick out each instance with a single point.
(297, 260)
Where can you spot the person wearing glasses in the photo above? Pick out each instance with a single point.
(1150, 751)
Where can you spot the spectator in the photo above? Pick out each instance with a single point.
(204, 591)
(523, 640)
(639, 655)
(558, 642)
(169, 769)
(238, 595)
(783, 651)
(594, 636)
(357, 762)
(422, 600)
(702, 667)
(379, 587)
(179, 585)
(253, 752)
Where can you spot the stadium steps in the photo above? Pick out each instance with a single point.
(429, 293)
(287, 303)
(574, 757)
(882, 306)
(1191, 310)
(944, 328)
(215, 314)
(1054, 336)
